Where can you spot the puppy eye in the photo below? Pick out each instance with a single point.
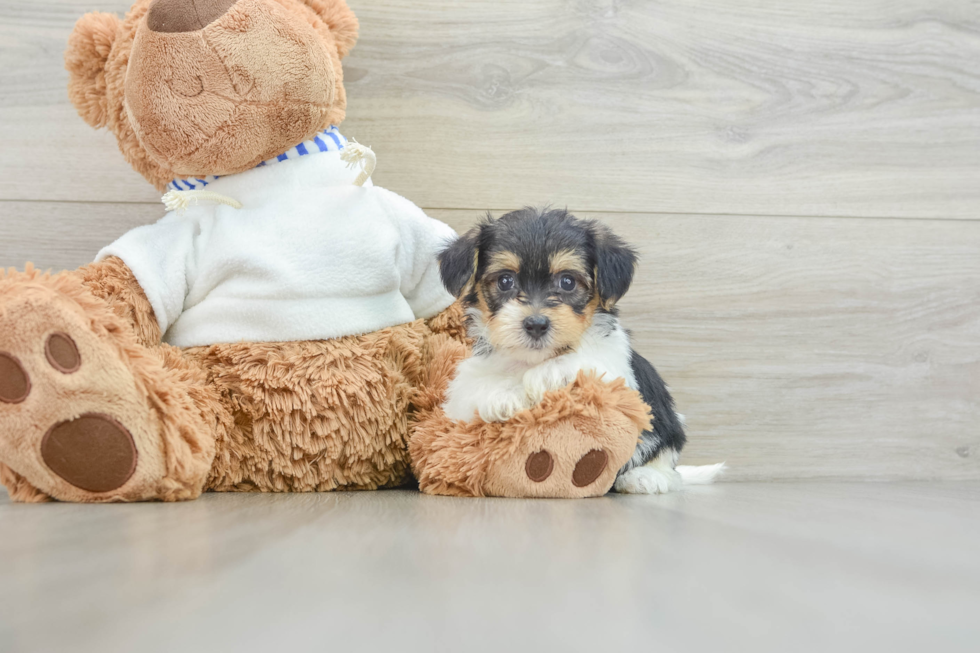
(566, 282)
(505, 282)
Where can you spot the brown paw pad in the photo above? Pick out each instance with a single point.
(539, 466)
(589, 468)
(15, 385)
(92, 452)
(62, 353)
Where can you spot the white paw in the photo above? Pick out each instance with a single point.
(648, 480)
(552, 375)
(501, 405)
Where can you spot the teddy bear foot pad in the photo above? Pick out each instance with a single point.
(588, 469)
(74, 419)
(93, 452)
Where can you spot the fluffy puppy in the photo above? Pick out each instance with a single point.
(540, 291)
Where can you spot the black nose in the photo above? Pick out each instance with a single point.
(536, 325)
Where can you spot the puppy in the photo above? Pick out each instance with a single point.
(540, 291)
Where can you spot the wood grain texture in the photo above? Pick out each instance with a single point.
(797, 347)
(802, 348)
(763, 567)
(65, 235)
(720, 106)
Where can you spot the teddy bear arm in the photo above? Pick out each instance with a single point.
(449, 322)
(572, 444)
(112, 281)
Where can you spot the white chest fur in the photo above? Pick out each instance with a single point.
(497, 386)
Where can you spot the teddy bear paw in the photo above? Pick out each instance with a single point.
(72, 420)
(556, 469)
(540, 465)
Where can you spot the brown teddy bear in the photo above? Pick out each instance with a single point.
(284, 329)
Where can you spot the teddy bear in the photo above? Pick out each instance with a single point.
(284, 327)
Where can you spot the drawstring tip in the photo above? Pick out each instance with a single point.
(175, 201)
(355, 153)
(178, 200)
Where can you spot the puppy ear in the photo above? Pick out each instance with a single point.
(615, 264)
(457, 263)
(85, 59)
(341, 21)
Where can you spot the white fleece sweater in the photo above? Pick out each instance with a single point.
(309, 256)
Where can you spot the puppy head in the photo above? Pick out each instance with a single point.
(532, 280)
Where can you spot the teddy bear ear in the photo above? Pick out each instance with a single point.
(341, 21)
(85, 59)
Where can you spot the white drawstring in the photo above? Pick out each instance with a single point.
(352, 154)
(178, 200)
(355, 153)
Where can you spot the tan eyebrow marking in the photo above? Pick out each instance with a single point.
(504, 261)
(567, 259)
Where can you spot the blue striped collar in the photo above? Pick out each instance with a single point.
(329, 140)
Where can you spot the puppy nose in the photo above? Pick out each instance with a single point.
(174, 16)
(536, 325)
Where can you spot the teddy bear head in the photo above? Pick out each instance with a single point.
(192, 88)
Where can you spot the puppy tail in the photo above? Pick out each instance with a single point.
(700, 474)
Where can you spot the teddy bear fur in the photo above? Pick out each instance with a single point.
(296, 416)
(477, 458)
(275, 85)
(355, 412)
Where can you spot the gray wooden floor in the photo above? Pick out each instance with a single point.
(807, 566)
(803, 183)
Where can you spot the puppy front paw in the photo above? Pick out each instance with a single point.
(551, 375)
(501, 405)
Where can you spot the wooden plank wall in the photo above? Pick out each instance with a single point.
(802, 179)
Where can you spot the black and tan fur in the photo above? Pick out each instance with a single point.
(531, 267)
